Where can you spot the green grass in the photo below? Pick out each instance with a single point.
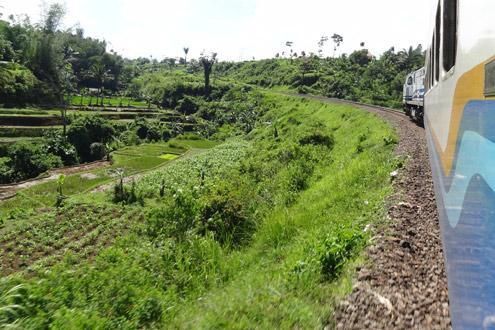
(110, 101)
(24, 131)
(26, 112)
(277, 282)
(168, 156)
(11, 140)
(187, 143)
(257, 233)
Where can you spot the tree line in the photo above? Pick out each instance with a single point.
(358, 76)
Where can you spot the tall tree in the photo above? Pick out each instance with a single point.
(186, 51)
(68, 81)
(337, 40)
(289, 44)
(100, 74)
(48, 56)
(321, 44)
(207, 61)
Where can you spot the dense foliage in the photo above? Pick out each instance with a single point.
(39, 63)
(359, 76)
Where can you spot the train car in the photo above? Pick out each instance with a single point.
(460, 128)
(413, 94)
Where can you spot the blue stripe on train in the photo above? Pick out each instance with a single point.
(466, 204)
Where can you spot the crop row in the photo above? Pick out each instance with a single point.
(194, 171)
(75, 229)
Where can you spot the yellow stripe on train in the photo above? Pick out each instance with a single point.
(470, 87)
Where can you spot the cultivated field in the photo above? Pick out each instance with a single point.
(276, 217)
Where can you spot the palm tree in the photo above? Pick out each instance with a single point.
(207, 61)
(100, 74)
(186, 51)
(337, 40)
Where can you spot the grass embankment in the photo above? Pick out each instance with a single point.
(256, 233)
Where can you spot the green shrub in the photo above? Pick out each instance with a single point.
(187, 106)
(59, 145)
(29, 160)
(125, 195)
(166, 134)
(17, 85)
(147, 130)
(98, 150)
(153, 134)
(129, 138)
(189, 136)
(6, 171)
(86, 130)
(175, 217)
(142, 131)
(336, 249)
(225, 214)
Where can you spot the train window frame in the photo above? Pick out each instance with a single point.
(437, 40)
(432, 61)
(450, 20)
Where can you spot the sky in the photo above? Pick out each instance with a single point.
(241, 29)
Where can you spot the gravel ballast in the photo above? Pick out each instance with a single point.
(403, 285)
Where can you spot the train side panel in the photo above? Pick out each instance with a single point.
(460, 128)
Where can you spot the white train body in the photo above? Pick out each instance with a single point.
(460, 126)
(413, 94)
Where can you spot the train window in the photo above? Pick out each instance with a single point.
(409, 81)
(437, 45)
(449, 33)
(432, 63)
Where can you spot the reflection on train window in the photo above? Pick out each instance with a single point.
(409, 81)
(449, 33)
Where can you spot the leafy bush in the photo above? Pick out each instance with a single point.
(335, 250)
(17, 85)
(166, 134)
(98, 150)
(153, 135)
(187, 106)
(175, 218)
(86, 130)
(59, 145)
(225, 213)
(129, 138)
(6, 171)
(29, 160)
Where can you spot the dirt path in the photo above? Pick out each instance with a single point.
(403, 286)
(10, 190)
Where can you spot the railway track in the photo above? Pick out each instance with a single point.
(377, 107)
(335, 100)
